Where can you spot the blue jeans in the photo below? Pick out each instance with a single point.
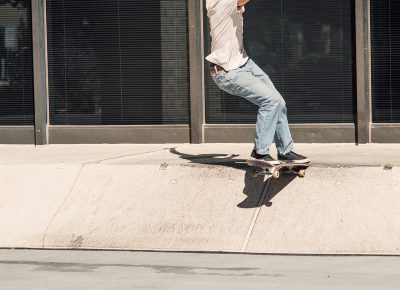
(253, 84)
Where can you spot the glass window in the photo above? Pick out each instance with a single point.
(306, 47)
(385, 57)
(115, 62)
(16, 90)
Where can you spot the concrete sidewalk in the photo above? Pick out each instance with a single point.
(199, 198)
(104, 270)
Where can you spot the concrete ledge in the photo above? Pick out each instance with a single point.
(194, 198)
(30, 197)
(148, 208)
(332, 211)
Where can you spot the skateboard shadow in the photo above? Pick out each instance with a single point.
(259, 190)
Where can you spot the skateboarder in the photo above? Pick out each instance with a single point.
(235, 73)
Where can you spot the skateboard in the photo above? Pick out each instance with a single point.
(264, 168)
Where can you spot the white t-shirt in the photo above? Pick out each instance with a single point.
(226, 23)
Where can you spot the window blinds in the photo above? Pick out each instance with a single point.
(385, 58)
(118, 62)
(16, 82)
(306, 47)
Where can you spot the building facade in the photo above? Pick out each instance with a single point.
(119, 71)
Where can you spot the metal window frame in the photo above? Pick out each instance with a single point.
(17, 135)
(40, 89)
(139, 134)
(385, 133)
(301, 133)
(81, 134)
(26, 134)
(196, 55)
(363, 71)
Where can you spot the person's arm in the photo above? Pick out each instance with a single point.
(242, 2)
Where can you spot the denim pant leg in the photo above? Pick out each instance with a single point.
(283, 138)
(242, 82)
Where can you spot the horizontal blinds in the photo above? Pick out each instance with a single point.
(16, 83)
(385, 58)
(118, 62)
(306, 49)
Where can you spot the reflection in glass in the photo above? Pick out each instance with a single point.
(16, 95)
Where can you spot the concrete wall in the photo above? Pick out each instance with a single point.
(163, 199)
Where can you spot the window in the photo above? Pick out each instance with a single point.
(114, 62)
(16, 84)
(385, 57)
(306, 49)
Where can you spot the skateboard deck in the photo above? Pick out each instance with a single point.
(263, 168)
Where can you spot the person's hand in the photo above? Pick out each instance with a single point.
(241, 3)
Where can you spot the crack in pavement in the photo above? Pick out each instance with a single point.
(256, 213)
(129, 155)
(61, 205)
(77, 177)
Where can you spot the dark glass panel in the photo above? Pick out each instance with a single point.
(385, 57)
(16, 84)
(118, 62)
(306, 49)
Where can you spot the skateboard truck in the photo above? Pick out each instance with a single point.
(264, 168)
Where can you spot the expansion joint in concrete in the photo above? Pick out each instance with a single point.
(131, 155)
(255, 215)
(61, 205)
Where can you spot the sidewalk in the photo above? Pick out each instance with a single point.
(199, 198)
(104, 270)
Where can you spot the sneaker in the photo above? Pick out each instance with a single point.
(293, 157)
(267, 158)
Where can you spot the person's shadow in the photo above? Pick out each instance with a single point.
(259, 191)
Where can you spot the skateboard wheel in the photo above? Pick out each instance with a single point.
(302, 173)
(254, 173)
(275, 174)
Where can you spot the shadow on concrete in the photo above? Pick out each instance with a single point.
(259, 190)
(227, 160)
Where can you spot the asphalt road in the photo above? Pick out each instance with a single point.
(32, 269)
